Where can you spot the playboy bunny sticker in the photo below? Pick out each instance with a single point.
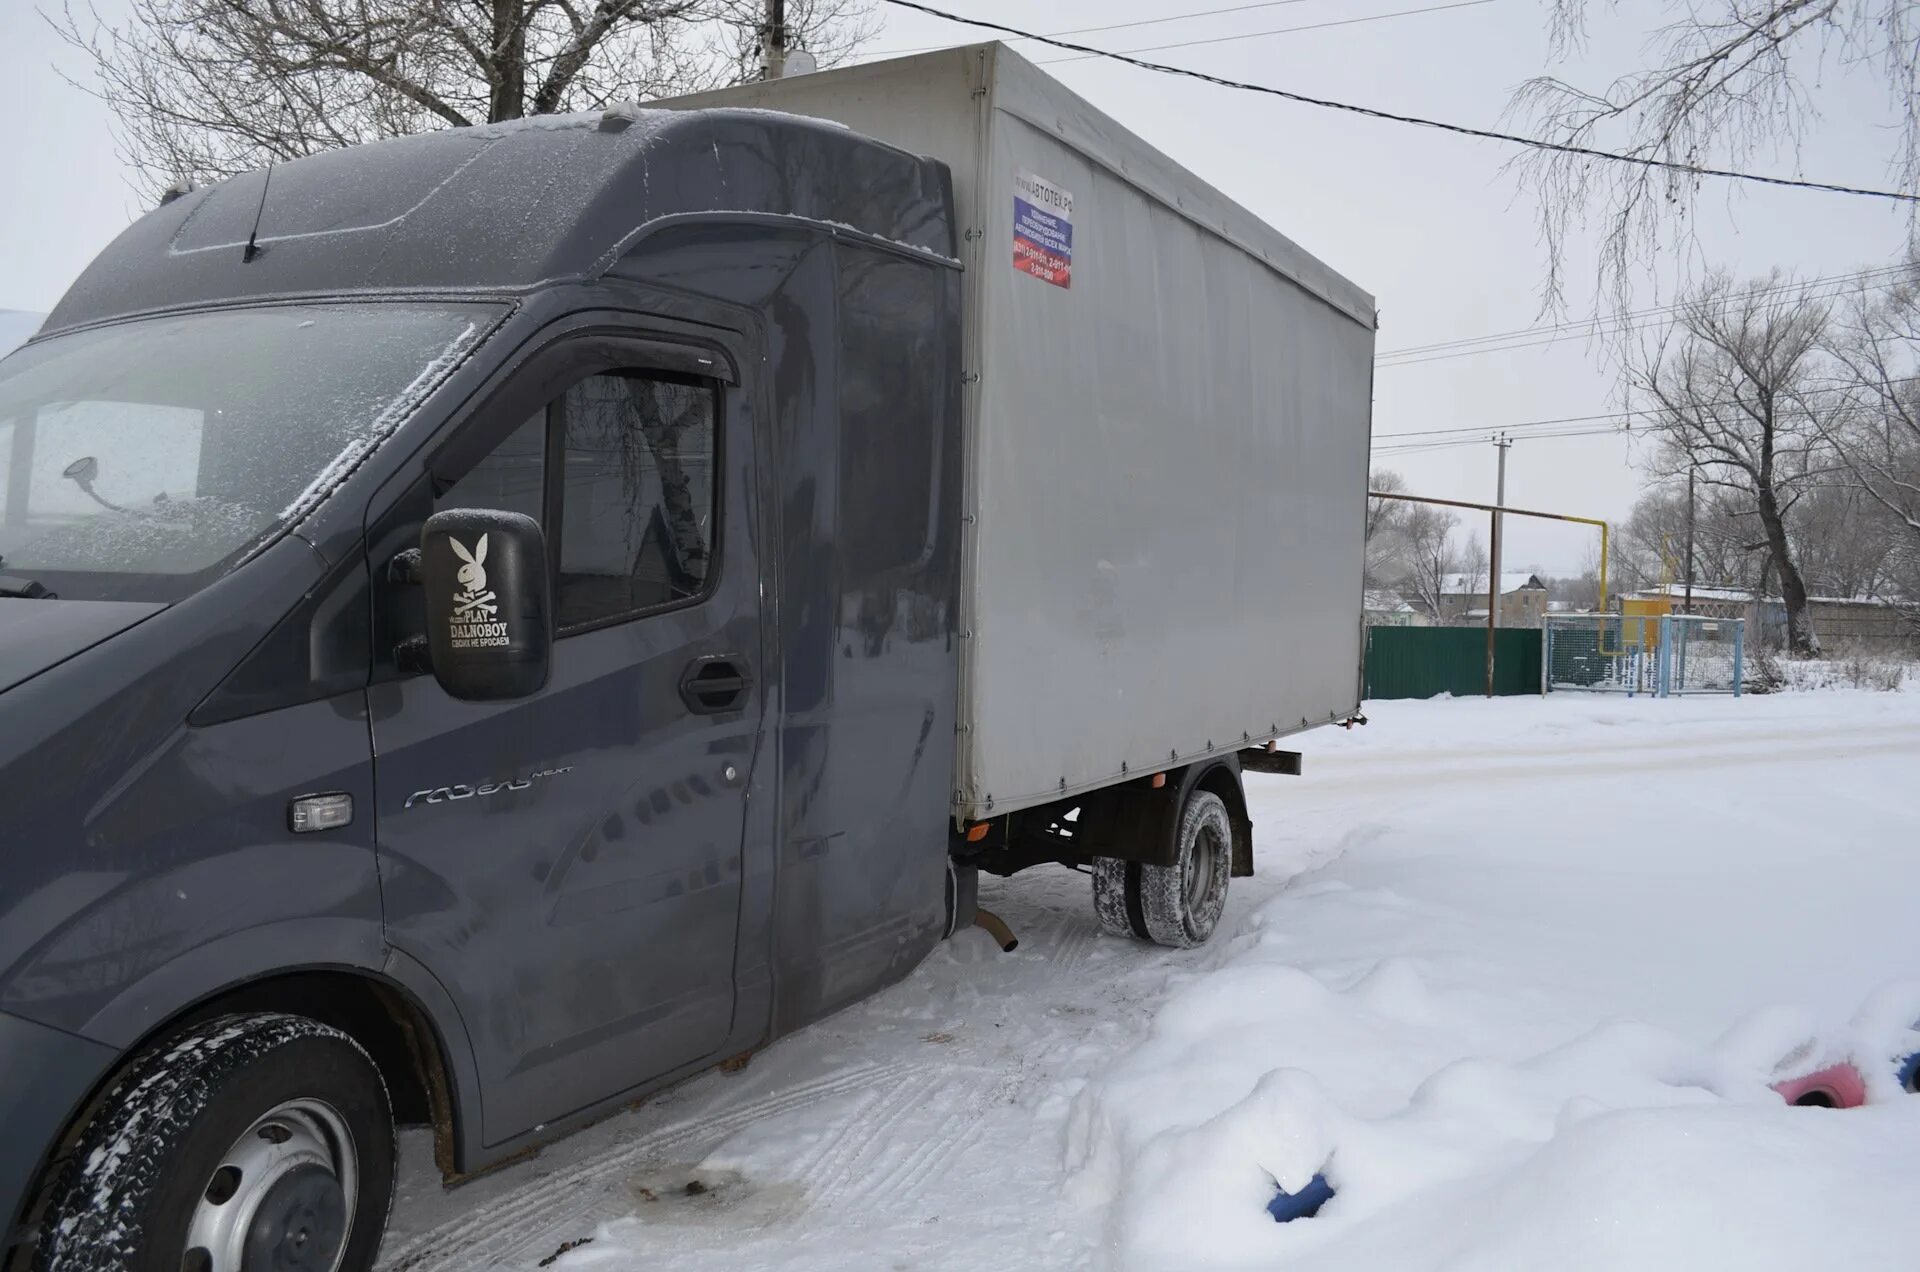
(474, 606)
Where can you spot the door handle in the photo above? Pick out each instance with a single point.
(716, 684)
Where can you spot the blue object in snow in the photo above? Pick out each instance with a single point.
(1910, 1073)
(1304, 1204)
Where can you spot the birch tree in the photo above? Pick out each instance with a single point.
(1728, 83)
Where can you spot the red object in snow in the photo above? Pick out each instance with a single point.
(1838, 1086)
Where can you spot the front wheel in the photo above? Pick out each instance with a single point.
(259, 1143)
(1177, 905)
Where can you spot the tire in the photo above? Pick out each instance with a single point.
(1110, 897)
(255, 1143)
(1181, 903)
(1177, 905)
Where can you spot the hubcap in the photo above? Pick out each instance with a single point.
(1202, 862)
(281, 1199)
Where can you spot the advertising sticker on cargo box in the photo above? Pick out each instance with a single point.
(1042, 230)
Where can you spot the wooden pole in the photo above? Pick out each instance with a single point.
(1493, 599)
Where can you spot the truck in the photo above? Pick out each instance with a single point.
(496, 622)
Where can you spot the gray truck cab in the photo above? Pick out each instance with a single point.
(477, 643)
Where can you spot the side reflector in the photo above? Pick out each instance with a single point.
(1159, 780)
(977, 832)
(319, 812)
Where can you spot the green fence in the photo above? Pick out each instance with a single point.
(1419, 662)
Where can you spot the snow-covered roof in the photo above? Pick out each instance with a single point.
(1702, 592)
(1386, 603)
(1476, 584)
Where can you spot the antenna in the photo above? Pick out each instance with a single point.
(253, 238)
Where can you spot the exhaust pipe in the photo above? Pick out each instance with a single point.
(996, 928)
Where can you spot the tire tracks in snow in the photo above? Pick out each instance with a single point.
(523, 1218)
(887, 1173)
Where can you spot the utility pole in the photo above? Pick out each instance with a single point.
(1503, 443)
(1691, 470)
(773, 41)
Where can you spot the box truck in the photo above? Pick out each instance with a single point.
(493, 623)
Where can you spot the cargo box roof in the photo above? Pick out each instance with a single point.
(502, 208)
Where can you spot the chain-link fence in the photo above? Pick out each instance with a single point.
(1632, 654)
(1703, 655)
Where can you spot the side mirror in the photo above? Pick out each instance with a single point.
(489, 607)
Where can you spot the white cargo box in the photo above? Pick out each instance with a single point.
(1167, 428)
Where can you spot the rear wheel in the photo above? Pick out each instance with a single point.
(259, 1143)
(1182, 903)
(1177, 905)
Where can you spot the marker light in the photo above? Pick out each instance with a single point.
(319, 812)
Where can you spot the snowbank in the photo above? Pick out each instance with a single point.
(1439, 1018)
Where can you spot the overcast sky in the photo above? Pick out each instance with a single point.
(1428, 222)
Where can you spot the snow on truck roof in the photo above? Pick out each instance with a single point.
(502, 207)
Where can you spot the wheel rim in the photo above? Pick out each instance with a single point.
(281, 1199)
(1202, 865)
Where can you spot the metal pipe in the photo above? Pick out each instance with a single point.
(1690, 475)
(1517, 512)
(996, 928)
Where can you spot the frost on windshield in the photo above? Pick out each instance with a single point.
(379, 423)
(168, 447)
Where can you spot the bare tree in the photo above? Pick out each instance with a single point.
(1876, 349)
(205, 89)
(1843, 540)
(1735, 390)
(1472, 565)
(1728, 85)
(1430, 555)
(1651, 549)
(1386, 541)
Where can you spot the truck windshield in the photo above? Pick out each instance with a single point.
(140, 461)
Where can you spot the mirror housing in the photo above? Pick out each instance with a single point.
(489, 603)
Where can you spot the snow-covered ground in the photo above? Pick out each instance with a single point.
(1515, 975)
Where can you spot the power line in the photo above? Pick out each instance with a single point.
(1821, 288)
(1535, 143)
(1408, 448)
(1558, 426)
(1115, 26)
(1414, 448)
(1654, 319)
(1254, 35)
(1654, 311)
(1477, 431)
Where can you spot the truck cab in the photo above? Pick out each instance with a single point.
(477, 643)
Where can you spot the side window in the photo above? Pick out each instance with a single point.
(630, 512)
(636, 526)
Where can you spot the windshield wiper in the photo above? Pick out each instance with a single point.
(30, 589)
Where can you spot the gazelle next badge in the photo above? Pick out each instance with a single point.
(462, 790)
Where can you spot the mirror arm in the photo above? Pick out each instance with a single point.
(404, 568)
(414, 654)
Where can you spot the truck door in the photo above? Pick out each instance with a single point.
(569, 864)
